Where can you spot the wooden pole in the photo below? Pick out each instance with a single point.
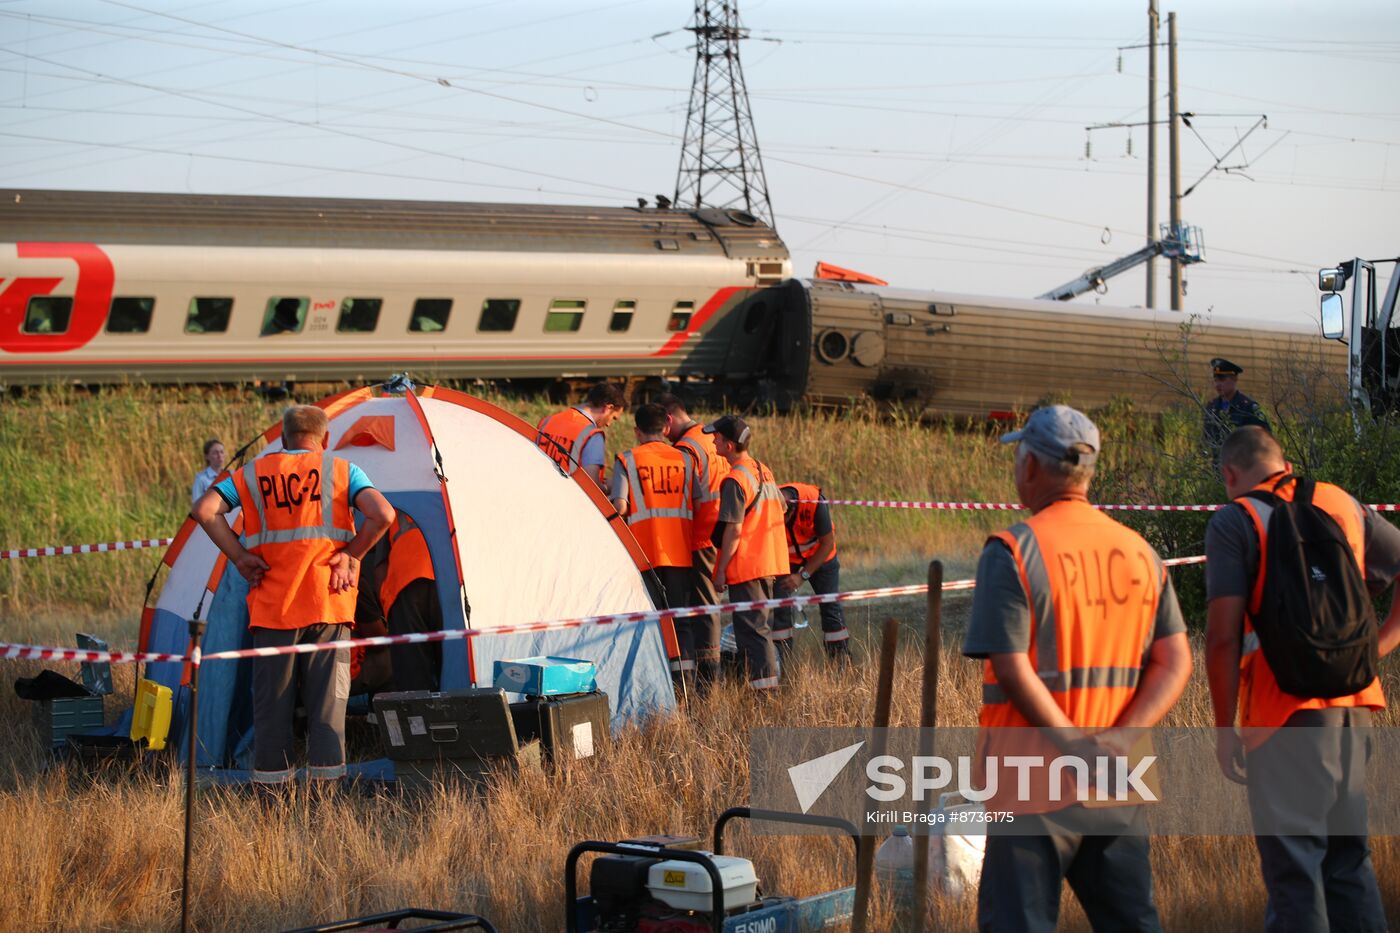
(196, 636)
(928, 719)
(884, 691)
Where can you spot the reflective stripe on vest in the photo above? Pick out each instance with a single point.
(710, 469)
(297, 536)
(659, 514)
(563, 435)
(762, 550)
(1263, 705)
(801, 531)
(1078, 567)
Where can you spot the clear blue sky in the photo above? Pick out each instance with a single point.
(932, 144)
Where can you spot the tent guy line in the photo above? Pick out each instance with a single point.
(10, 651)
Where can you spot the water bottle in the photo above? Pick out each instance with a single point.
(894, 867)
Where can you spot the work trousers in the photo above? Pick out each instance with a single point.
(1110, 874)
(322, 679)
(752, 634)
(1319, 876)
(416, 610)
(669, 588)
(705, 629)
(827, 579)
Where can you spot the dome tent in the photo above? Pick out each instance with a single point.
(513, 541)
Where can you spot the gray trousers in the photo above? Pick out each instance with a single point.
(704, 630)
(1310, 783)
(322, 679)
(752, 634)
(1110, 874)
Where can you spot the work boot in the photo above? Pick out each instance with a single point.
(786, 654)
(708, 675)
(838, 654)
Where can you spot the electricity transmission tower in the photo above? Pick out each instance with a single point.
(720, 162)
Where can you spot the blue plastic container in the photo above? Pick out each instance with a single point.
(542, 677)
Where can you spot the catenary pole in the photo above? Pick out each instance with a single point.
(1151, 149)
(1174, 143)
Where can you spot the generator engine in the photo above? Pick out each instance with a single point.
(653, 894)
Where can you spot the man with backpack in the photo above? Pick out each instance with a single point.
(1292, 641)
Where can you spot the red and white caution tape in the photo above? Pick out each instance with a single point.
(84, 548)
(34, 652)
(1018, 507)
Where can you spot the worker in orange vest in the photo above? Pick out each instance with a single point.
(575, 437)
(811, 539)
(1083, 639)
(408, 592)
(752, 545)
(707, 472)
(651, 489)
(1307, 782)
(300, 554)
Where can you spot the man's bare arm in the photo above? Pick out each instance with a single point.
(379, 515)
(1224, 631)
(1163, 681)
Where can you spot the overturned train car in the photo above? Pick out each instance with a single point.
(102, 287)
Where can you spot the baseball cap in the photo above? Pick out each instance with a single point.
(729, 426)
(1053, 432)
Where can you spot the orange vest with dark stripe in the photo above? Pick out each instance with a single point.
(708, 471)
(658, 502)
(1263, 705)
(408, 559)
(802, 532)
(296, 516)
(762, 548)
(563, 436)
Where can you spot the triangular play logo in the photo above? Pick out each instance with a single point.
(811, 778)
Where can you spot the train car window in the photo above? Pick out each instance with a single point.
(359, 315)
(621, 318)
(430, 315)
(498, 314)
(284, 316)
(208, 315)
(565, 315)
(680, 315)
(48, 314)
(130, 315)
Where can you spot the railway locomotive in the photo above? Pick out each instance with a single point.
(106, 287)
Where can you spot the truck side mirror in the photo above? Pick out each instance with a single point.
(1331, 280)
(1332, 317)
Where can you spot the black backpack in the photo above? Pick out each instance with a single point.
(1316, 625)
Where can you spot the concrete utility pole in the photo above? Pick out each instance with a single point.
(1174, 144)
(1151, 148)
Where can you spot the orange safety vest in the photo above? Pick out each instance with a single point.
(1093, 588)
(710, 469)
(658, 502)
(1263, 705)
(408, 560)
(563, 435)
(296, 516)
(802, 534)
(762, 548)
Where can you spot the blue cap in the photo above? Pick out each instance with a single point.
(1055, 432)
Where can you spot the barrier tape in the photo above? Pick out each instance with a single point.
(84, 548)
(42, 653)
(1018, 507)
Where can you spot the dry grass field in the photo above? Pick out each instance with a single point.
(102, 851)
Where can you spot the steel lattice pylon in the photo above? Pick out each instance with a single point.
(720, 162)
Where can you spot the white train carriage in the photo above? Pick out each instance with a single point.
(103, 287)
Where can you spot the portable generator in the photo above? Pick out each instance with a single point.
(666, 884)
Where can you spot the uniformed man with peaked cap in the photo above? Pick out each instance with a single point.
(1231, 408)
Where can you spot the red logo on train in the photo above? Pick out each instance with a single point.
(91, 298)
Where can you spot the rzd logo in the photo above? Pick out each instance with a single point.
(90, 298)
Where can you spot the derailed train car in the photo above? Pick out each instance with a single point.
(102, 287)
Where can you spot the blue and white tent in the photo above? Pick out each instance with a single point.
(513, 542)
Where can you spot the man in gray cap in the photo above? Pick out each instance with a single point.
(1231, 408)
(1085, 648)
